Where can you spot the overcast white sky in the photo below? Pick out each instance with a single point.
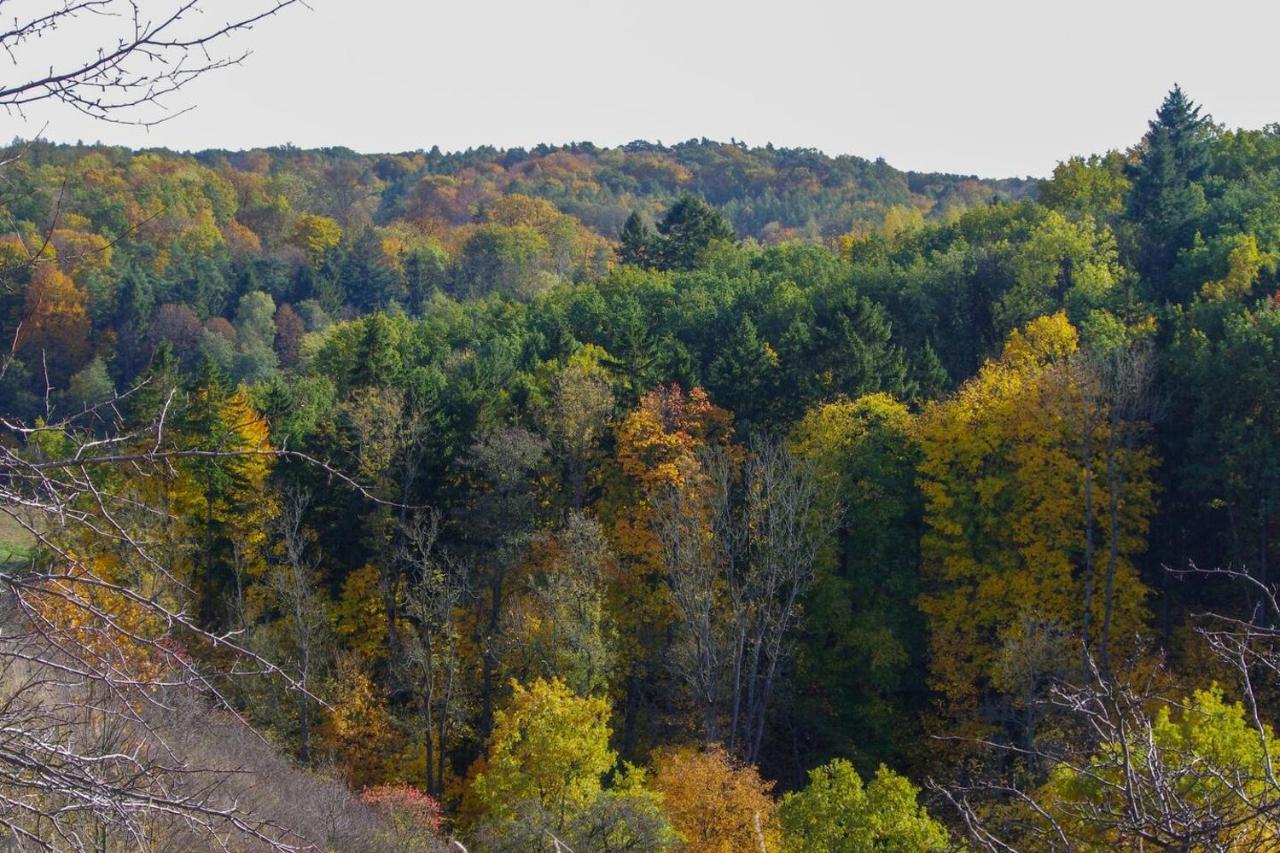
(993, 87)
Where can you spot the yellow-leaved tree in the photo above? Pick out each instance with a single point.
(1026, 558)
(359, 727)
(659, 448)
(221, 496)
(549, 748)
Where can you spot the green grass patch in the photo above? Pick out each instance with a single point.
(17, 545)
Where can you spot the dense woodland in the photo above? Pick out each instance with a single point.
(694, 497)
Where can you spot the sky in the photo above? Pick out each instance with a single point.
(983, 87)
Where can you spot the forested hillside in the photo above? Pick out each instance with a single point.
(700, 497)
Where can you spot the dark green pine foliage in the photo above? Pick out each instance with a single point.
(844, 348)
(368, 282)
(155, 384)
(636, 242)
(743, 375)
(690, 226)
(930, 375)
(1224, 441)
(378, 359)
(425, 274)
(1166, 199)
(197, 279)
(135, 301)
(633, 345)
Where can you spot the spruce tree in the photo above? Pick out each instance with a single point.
(742, 375)
(135, 302)
(690, 226)
(636, 242)
(1166, 199)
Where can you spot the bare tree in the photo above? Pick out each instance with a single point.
(98, 610)
(81, 771)
(121, 60)
(295, 580)
(697, 567)
(740, 549)
(432, 662)
(575, 645)
(100, 650)
(783, 528)
(123, 636)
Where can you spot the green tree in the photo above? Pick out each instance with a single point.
(687, 230)
(1095, 186)
(90, 385)
(1194, 775)
(255, 336)
(861, 663)
(836, 813)
(134, 302)
(1062, 263)
(1226, 447)
(636, 242)
(548, 746)
(625, 817)
(372, 280)
(742, 375)
(1166, 199)
(842, 344)
(512, 260)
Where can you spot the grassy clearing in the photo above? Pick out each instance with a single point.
(16, 544)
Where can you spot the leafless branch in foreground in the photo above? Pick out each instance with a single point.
(100, 648)
(1140, 770)
(139, 52)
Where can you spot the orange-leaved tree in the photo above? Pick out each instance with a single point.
(715, 804)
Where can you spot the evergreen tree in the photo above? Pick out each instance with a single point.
(378, 361)
(689, 227)
(1166, 200)
(160, 378)
(135, 302)
(636, 242)
(742, 375)
(368, 281)
(930, 375)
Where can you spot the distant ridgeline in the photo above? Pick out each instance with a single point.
(767, 193)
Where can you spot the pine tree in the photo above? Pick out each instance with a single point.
(1165, 199)
(155, 384)
(930, 375)
(742, 375)
(636, 242)
(690, 226)
(135, 300)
